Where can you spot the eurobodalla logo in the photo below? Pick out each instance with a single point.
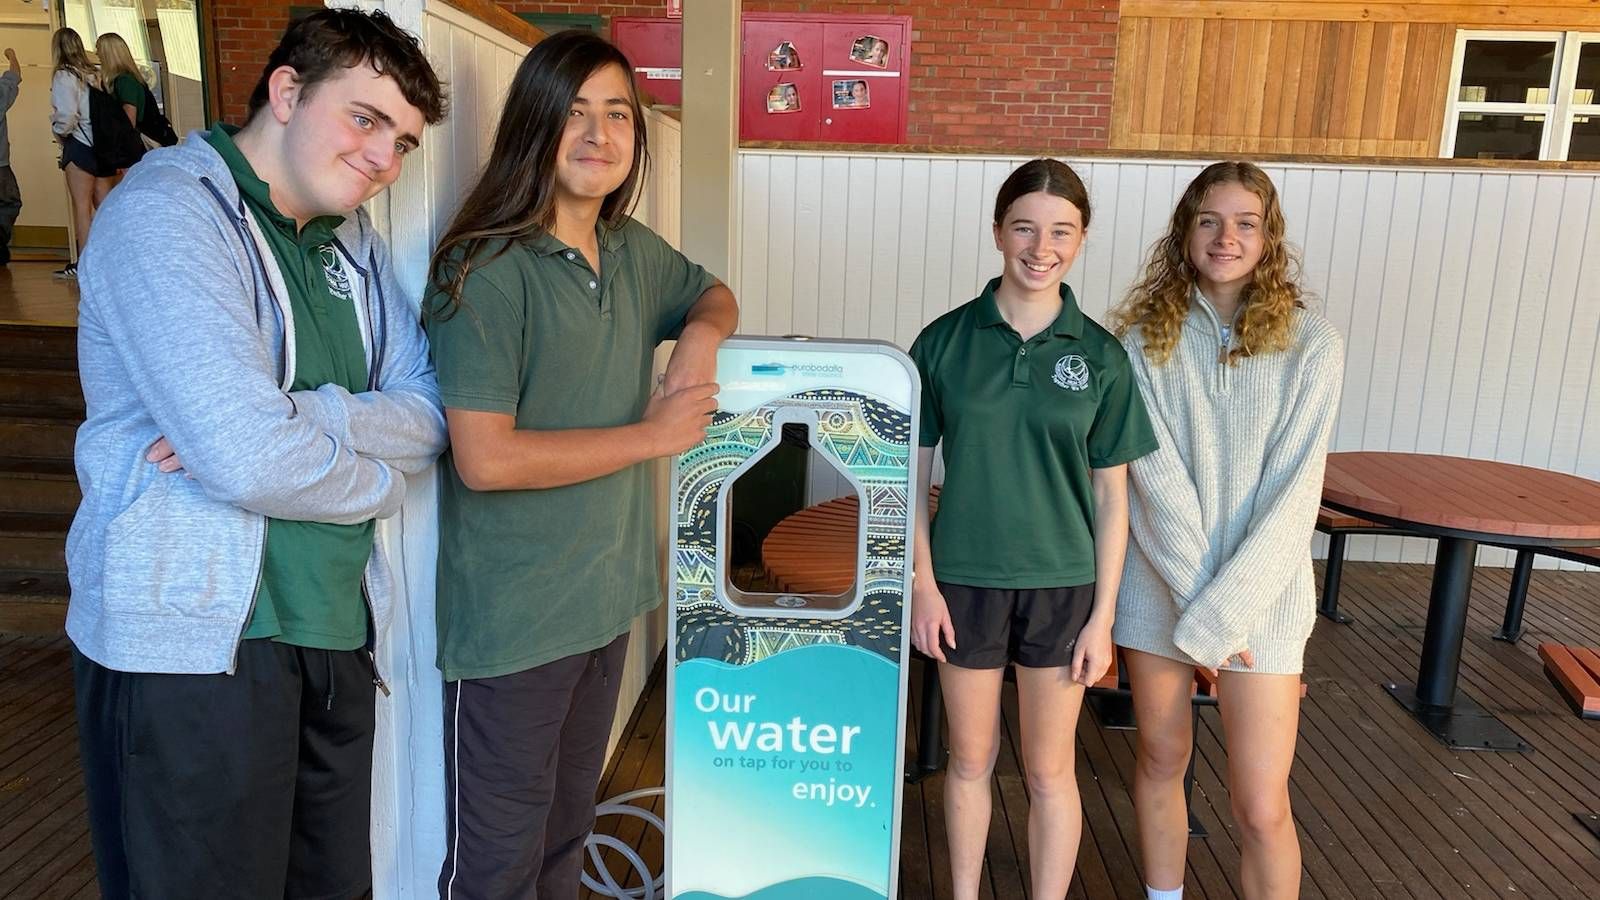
(1072, 373)
(824, 370)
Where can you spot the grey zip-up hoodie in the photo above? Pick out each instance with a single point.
(185, 331)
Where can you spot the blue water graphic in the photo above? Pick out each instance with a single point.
(783, 773)
(821, 888)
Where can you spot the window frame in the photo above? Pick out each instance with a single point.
(1576, 41)
(1555, 141)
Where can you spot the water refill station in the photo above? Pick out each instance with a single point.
(786, 709)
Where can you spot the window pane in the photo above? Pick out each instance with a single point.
(1587, 89)
(1585, 138)
(1483, 136)
(1507, 71)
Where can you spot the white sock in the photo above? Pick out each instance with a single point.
(1151, 893)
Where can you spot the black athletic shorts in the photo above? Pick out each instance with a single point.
(82, 155)
(1036, 627)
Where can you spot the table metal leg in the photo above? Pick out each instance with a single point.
(1521, 574)
(1331, 572)
(1196, 830)
(1455, 719)
(1114, 709)
(930, 742)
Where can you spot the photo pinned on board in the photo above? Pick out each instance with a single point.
(851, 93)
(784, 58)
(783, 98)
(871, 50)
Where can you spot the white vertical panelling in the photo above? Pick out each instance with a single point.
(1095, 268)
(754, 181)
(780, 258)
(1470, 307)
(1472, 330)
(1576, 398)
(1422, 293)
(807, 257)
(911, 272)
(860, 217)
(889, 227)
(1543, 383)
(1129, 242)
(833, 240)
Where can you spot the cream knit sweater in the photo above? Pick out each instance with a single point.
(1221, 516)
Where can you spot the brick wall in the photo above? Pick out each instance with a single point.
(984, 73)
(245, 32)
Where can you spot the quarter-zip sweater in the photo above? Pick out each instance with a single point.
(1222, 513)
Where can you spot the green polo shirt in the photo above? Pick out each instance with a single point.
(1023, 423)
(130, 90)
(528, 577)
(310, 594)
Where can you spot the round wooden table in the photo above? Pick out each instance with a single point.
(813, 551)
(1460, 502)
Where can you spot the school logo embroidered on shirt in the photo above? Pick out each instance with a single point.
(333, 270)
(1072, 373)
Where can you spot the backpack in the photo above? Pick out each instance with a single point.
(154, 125)
(117, 144)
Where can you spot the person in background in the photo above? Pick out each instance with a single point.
(10, 192)
(87, 183)
(119, 74)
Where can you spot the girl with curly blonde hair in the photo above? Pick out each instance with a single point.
(1242, 385)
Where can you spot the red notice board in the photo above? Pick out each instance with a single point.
(838, 79)
(655, 47)
(802, 77)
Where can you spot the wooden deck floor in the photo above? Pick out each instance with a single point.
(44, 838)
(31, 295)
(1383, 810)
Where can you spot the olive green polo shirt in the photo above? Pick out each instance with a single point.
(310, 594)
(1023, 423)
(528, 577)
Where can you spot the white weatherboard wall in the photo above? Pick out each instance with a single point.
(476, 63)
(1469, 298)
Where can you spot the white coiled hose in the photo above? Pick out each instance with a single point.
(651, 884)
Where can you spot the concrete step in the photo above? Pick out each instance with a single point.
(39, 346)
(32, 485)
(41, 437)
(33, 602)
(53, 392)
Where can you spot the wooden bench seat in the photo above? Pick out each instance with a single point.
(1576, 670)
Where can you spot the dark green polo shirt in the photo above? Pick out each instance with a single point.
(528, 577)
(1023, 423)
(130, 90)
(310, 594)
